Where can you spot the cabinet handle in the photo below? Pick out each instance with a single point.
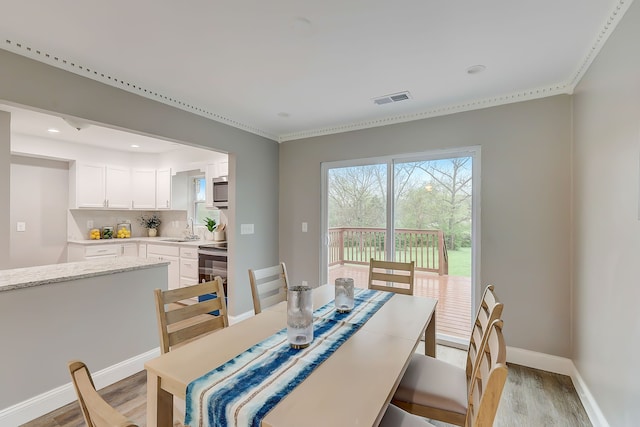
(167, 203)
(107, 202)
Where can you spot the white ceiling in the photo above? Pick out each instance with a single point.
(287, 69)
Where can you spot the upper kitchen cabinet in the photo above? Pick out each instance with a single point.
(98, 186)
(118, 187)
(163, 189)
(143, 189)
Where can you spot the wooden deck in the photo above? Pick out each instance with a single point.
(453, 313)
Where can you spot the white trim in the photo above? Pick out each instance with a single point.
(240, 317)
(44, 403)
(542, 361)
(563, 366)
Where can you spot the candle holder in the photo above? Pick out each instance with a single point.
(299, 316)
(344, 294)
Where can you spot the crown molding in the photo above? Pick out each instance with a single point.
(558, 89)
(85, 71)
(607, 29)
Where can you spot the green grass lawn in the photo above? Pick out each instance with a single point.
(460, 262)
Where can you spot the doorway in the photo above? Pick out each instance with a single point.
(419, 208)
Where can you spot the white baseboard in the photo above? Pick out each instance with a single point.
(563, 366)
(240, 317)
(44, 403)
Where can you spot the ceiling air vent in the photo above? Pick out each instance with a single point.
(396, 97)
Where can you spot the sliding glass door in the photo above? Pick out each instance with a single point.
(407, 208)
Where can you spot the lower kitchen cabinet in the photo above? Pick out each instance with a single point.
(171, 254)
(188, 266)
(80, 252)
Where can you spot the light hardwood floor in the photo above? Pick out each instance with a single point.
(530, 398)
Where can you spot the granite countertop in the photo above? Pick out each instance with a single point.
(154, 240)
(18, 278)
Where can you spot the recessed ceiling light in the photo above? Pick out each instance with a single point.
(53, 130)
(135, 146)
(476, 69)
(283, 114)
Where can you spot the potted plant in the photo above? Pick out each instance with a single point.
(211, 225)
(151, 223)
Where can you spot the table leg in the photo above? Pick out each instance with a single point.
(159, 403)
(430, 336)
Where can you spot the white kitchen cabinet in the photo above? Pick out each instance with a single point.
(87, 182)
(108, 249)
(99, 186)
(171, 254)
(188, 266)
(118, 187)
(163, 189)
(129, 249)
(143, 188)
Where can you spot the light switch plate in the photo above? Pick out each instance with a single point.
(305, 227)
(246, 228)
(21, 226)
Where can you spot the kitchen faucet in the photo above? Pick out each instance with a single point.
(193, 235)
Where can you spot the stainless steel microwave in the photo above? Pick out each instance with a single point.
(221, 192)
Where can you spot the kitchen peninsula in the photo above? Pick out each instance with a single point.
(100, 311)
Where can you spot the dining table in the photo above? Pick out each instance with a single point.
(352, 387)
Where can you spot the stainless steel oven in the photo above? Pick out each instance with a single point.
(212, 262)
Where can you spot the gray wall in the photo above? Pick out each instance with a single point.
(254, 160)
(101, 320)
(5, 177)
(607, 225)
(525, 198)
(39, 197)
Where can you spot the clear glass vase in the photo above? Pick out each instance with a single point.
(299, 316)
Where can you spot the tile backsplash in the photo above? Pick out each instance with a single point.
(173, 223)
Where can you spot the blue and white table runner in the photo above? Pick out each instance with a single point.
(243, 390)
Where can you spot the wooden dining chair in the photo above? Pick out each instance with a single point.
(268, 286)
(396, 417)
(96, 411)
(190, 312)
(385, 275)
(488, 379)
(438, 390)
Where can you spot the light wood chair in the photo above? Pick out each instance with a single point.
(96, 411)
(488, 379)
(268, 286)
(181, 322)
(380, 276)
(439, 390)
(396, 417)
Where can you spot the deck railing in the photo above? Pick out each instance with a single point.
(358, 245)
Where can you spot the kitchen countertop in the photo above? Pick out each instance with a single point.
(18, 278)
(154, 240)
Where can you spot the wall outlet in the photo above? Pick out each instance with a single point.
(305, 283)
(246, 228)
(90, 223)
(21, 226)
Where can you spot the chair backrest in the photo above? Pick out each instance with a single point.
(180, 322)
(488, 311)
(489, 379)
(97, 412)
(384, 273)
(268, 286)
